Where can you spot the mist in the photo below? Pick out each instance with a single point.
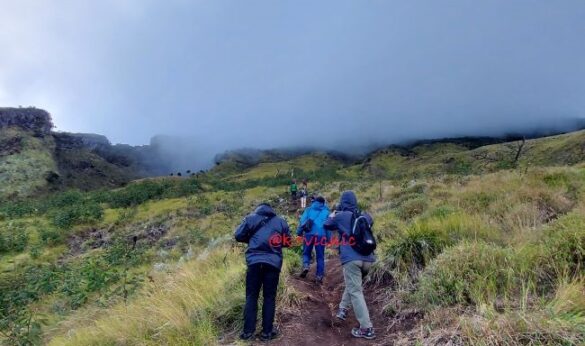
(211, 76)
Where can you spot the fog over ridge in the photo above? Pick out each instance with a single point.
(216, 75)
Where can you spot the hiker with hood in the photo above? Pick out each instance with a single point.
(265, 234)
(314, 236)
(356, 258)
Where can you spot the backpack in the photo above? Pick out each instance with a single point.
(364, 241)
(307, 226)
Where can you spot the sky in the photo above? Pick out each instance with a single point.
(231, 74)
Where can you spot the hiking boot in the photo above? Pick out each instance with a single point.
(269, 336)
(341, 314)
(366, 333)
(319, 279)
(305, 272)
(246, 336)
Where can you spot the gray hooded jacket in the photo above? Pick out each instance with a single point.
(342, 222)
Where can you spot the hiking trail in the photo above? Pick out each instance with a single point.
(314, 322)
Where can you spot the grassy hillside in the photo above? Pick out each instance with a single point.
(34, 163)
(26, 162)
(475, 248)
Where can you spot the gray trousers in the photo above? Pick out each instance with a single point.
(353, 295)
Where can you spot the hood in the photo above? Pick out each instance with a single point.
(317, 205)
(348, 201)
(265, 210)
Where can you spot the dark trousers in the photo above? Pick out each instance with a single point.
(265, 276)
(308, 244)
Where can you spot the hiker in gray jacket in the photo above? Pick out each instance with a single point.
(355, 265)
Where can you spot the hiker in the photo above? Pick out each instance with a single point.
(305, 183)
(293, 190)
(355, 265)
(314, 236)
(264, 259)
(303, 194)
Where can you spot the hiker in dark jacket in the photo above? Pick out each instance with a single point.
(264, 232)
(314, 237)
(355, 265)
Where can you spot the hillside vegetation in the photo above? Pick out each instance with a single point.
(478, 246)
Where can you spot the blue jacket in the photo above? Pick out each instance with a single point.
(342, 222)
(258, 230)
(318, 212)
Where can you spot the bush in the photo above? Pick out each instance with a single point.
(17, 209)
(475, 273)
(558, 179)
(51, 236)
(66, 217)
(412, 207)
(468, 274)
(13, 238)
(409, 253)
(560, 251)
(135, 194)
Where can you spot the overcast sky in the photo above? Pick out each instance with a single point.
(275, 73)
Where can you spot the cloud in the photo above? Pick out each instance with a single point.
(230, 74)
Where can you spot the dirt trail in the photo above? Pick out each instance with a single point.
(315, 323)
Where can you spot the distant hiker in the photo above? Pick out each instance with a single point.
(303, 193)
(352, 224)
(264, 259)
(293, 190)
(314, 236)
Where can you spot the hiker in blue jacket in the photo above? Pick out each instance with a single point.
(355, 265)
(314, 236)
(266, 234)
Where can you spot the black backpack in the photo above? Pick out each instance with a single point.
(307, 226)
(364, 241)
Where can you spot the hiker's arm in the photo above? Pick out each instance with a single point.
(302, 221)
(321, 221)
(242, 233)
(330, 224)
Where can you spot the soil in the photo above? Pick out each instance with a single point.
(314, 322)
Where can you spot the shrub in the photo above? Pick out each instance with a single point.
(561, 250)
(557, 179)
(17, 209)
(469, 273)
(412, 207)
(51, 236)
(66, 217)
(405, 256)
(137, 193)
(13, 238)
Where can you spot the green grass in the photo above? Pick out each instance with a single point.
(24, 172)
(499, 252)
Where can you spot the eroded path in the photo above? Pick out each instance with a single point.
(314, 322)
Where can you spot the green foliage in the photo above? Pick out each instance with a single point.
(51, 236)
(478, 201)
(473, 273)
(470, 273)
(412, 207)
(557, 179)
(13, 238)
(408, 253)
(17, 209)
(78, 213)
(458, 165)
